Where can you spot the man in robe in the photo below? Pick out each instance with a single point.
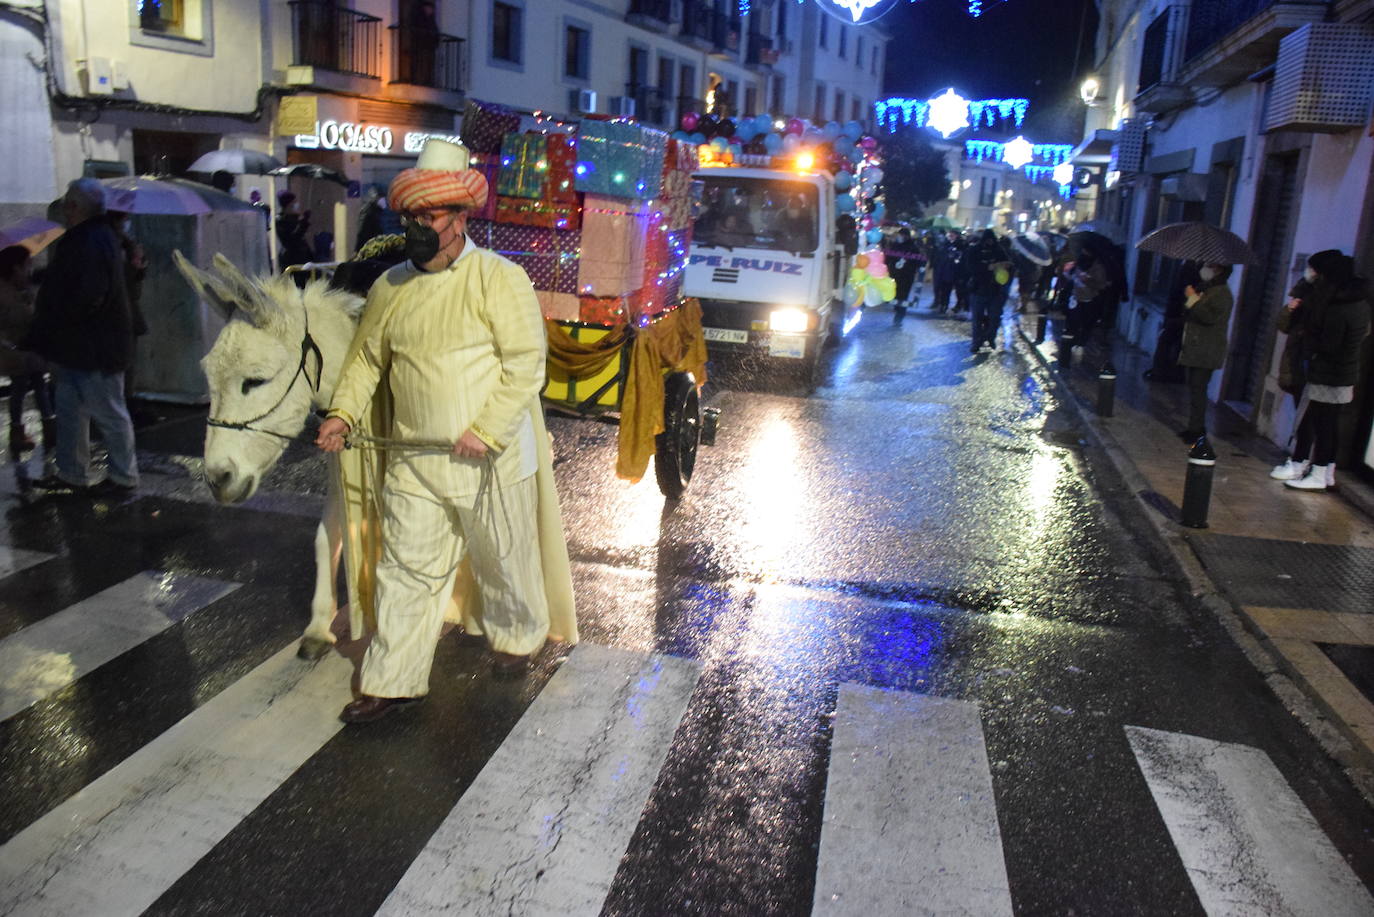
(453, 340)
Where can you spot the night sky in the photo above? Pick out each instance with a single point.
(1016, 49)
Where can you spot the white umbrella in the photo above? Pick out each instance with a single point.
(144, 194)
(33, 233)
(239, 162)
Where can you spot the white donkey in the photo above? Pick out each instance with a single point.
(277, 359)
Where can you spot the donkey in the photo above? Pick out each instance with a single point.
(277, 360)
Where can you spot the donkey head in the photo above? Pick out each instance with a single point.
(254, 374)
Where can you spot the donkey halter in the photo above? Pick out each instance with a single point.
(308, 347)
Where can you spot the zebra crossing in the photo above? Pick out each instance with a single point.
(910, 819)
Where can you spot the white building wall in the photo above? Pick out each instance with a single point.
(29, 180)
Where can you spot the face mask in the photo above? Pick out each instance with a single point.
(1309, 275)
(422, 243)
(1207, 273)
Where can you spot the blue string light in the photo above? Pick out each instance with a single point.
(896, 111)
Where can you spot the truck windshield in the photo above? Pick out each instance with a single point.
(756, 213)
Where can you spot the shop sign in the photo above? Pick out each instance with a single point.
(297, 114)
(415, 140)
(349, 137)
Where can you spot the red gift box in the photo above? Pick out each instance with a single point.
(549, 256)
(544, 212)
(485, 125)
(603, 310)
(562, 159)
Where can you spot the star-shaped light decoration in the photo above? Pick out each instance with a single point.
(948, 113)
(1063, 173)
(1018, 153)
(857, 8)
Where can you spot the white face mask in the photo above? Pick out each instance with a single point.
(1310, 275)
(1207, 273)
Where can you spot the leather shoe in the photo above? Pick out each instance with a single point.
(509, 665)
(368, 708)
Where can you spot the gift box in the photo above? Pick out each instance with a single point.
(561, 187)
(489, 169)
(524, 166)
(624, 160)
(549, 256)
(603, 310)
(543, 212)
(485, 125)
(562, 307)
(480, 232)
(665, 259)
(613, 235)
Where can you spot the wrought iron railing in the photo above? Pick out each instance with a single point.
(1211, 21)
(650, 103)
(662, 10)
(697, 20)
(425, 57)
(724, 31)
(761, 52)
(333, 37)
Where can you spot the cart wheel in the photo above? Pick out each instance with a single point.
(675, 449)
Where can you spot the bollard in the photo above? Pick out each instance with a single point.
(1197, 487)
(1064, 353)
(710, 421)
(1040, 321)
(1106, 390)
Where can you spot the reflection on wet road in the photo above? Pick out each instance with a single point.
(885, 657)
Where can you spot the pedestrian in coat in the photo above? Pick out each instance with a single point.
(1204, 341)
(454, 338)
(988, 265)
(82, 325)
(26, 371)
(903, 260)
(293, 231)
(946, 254)
(1326, 324)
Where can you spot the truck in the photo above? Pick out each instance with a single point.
(769, 264)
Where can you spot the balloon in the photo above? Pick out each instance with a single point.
(843, 181)
(868, 143)
(874, 173)
(720, 144)
(877, 269)
(698, 138)
(858, 276)
(772, 142)
(795, 126)
(790, 143)
(843, 145)
(689, 121)
(736, 149)
(726, 128)
(707, 125)
(681, 136)
(886, 286)
(875, 236)
(844, 203)
(873, 296)
(831, 130)
(766, 120)
(879, 210)
(853, 131)
(853, 294)
(812, 134)
(857, 156)
(861, 261)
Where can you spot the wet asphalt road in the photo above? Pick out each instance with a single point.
(926, 521)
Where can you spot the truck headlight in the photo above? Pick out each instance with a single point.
(790, 321)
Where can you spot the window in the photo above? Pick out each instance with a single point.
(825, 31)
(507, 28)
(856, 110)
(687, 84)
(859, 52)
(666, 68)
(779, 92)
(577, 52)
(166, 16)
(874, 68)
(820, 102)
(844, 42)
(751, 101)
(839, 105)
(987, 191)
(782, 20)
(639, 67)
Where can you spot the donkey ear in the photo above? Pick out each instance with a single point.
(261, 308)
(207, 286)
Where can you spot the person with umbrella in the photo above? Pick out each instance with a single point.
(293, 228)
(1204, 341)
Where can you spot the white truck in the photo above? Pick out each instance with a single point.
(768, 265)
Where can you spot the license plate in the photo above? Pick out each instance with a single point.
(792, 346)
(728, 335)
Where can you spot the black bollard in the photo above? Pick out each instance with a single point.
(1040, 322)
(1197, 487)
(1064, 353)
(1106, 390)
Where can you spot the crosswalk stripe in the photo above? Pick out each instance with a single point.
(1249, 844)
(115, 846)
(13, 560)
(910, 824)
(543, 827)
(50, 654)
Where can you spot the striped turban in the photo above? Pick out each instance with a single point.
(420, 189)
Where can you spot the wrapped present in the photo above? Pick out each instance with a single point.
(562, 307)
(603, 310)
(549, 256)
(665, 259)
(677, 212)
(613, 234)
(481, 232)
(624, 160)
(524, 166)
(542, 212)
(561, 187)
(488, 165)
(485, 125)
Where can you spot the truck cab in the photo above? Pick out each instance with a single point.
(766, 263)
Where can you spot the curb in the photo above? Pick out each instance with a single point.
(1299, 697)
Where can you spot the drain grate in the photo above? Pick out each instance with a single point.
(1290, 574)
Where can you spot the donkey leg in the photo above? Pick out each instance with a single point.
(318, 637)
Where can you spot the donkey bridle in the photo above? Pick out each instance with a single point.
(308, 347)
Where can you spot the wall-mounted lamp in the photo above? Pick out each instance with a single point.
(1089, 90)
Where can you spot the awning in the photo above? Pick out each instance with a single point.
(1095, 150)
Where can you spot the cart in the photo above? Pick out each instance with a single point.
(593, 367)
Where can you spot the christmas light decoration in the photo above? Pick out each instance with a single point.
(948, 113)
(1021, 154)
(897, 111)
(1018, 153)
(861, 11)
(1063, 173)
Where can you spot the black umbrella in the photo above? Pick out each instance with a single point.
(1200, 242)
(310, 170)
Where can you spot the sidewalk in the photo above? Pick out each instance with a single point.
(1297, 566)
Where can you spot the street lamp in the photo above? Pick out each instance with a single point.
(1089, 91)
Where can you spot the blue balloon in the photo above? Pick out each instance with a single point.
(681, 136)
(843, 181)
(772, 142)
(790, 143)
(843, 145)
(853, 131)
(698, 138)
(844, 203)
(720, 144)
(878, 210)
(736, 150)
(831, 130)
(812, 134)
(767, 121)
(875, 235)
(857, 156)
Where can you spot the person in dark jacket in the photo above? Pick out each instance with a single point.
(903, 258)
(82, 325)
(1204, 341)
(946, 255)
(1334, 320)
(988, 266)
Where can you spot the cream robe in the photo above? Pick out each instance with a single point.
(469, 353)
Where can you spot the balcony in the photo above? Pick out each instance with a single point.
(426, 57)
(654, 15)
(329, 37)
(697, 22)
(761, 51)
(724, 35)
(1229, 39)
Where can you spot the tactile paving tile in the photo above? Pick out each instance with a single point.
(1290, 574)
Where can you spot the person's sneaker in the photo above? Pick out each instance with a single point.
(1315, 479)
(54, 483)
(1331, 476)
(1289, 471)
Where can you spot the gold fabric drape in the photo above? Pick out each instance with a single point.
(673, 343)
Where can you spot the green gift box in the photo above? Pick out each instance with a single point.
(524, 166)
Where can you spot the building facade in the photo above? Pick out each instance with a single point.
(108, 87)
(1252, 115)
